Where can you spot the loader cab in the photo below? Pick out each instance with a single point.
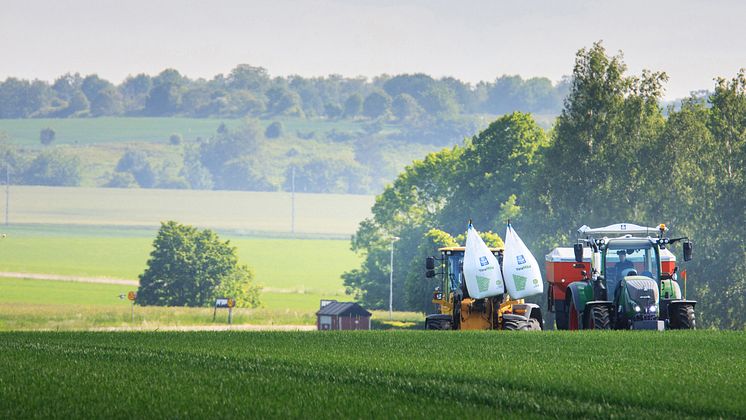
(453, 262)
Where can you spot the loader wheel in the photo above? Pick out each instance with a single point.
(682, 318)
(534, 325)
(597, 318)
(457, 315)
(515, 325)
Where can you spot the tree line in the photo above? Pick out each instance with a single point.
(252, 91)
(614, 155)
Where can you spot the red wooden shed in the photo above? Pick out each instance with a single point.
(335, 315)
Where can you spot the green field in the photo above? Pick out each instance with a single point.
(83, 131)
(406, 374)
(295, 273)
(278, 263)
(333, 215)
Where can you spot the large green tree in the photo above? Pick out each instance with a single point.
(594, 168)
(192, 267)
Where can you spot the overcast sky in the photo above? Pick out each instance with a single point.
(693, 41)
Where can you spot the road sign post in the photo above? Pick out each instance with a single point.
(132, 296)
(224, 303)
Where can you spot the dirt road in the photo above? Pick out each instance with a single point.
(59, 277)
(244, 327)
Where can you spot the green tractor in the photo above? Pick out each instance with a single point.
(630, 283)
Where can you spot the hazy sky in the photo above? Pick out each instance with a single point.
(693, 41)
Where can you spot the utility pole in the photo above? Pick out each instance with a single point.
(391, 280)
(7, 191)
(292, 201)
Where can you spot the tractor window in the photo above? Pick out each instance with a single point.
(622, 261)
(629, 259)
(455, 264)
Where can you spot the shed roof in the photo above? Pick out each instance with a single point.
(343, 308)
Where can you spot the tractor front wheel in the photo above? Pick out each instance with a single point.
(682, 317)
(560, 319)
(534, 325)
(515, 325)
(596, 318)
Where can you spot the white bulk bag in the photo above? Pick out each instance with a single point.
(520, 269)
(481, 269)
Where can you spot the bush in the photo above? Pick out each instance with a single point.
(136, 163)
(175, 139)
(46, 136)
(274, 130)
(53, 170)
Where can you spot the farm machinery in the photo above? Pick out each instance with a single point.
(621, 276)
(459, 311)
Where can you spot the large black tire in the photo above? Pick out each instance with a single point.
(515, 325)
(561, 320)
(682, 317)
(534, 325)
(457, 314)
(438, 323)
(596, 317)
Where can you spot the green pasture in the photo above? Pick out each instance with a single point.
(99, 143)
(404, 374)
(295, 273)
(86, 131)
(43, 292)
(297, 265)
(330, 215)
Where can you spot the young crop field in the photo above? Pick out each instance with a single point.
(405, 374)
(333, 215)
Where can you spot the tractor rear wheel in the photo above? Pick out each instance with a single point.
(572, 321)
(597, 318)
(682, 317)
(515, 325)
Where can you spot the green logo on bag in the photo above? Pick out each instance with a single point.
(483, 283)
(536, 282)
(520, 282)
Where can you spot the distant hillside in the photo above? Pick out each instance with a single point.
(247, 130)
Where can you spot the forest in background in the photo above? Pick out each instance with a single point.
(612, 156)
(413, 99)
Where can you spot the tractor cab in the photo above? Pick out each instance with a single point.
(630, 257)
(454, 268)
